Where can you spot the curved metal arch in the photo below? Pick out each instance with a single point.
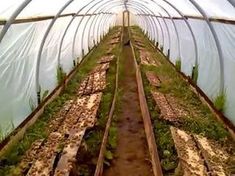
(42, 45)
(69, 24)
(99, 24)
(74, 39)
(139, 7)
(146, 26)
(150, 11)
(149, 23)
(163, 38)
(98, 28)
(98, 36)
(104, 8)
(176, 31)
(151, 17)
(217, 43)
(12, 18)
(106, 5)
(95, 23)
(141, 22)
(168, 32)
(189, 27)
(75, 34)
(143, 10)
(161, 29)
(92, 26)
(103, 20)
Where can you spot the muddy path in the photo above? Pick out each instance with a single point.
(131, 156)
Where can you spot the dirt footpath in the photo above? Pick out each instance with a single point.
(132, 155)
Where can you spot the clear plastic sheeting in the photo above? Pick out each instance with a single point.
(23, 34)
(17, 75)
(218, 8)
(208, 69)
(210, 73)
(226, 35)
(8, 7)
(187, 48)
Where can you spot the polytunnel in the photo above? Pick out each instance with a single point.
(117, 87)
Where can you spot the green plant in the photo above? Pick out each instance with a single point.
(178, 64)
(219, 102)
(2, 136)
(112, 138)
(45, 94)
(60, 75)
(195, 74)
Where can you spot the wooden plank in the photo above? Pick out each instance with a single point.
(99, 166)
(189, 156)
(166, 110)
(156, 164)
(86, 120)
(106, 59)
(214, 155)
(153, 79)
(46, 156)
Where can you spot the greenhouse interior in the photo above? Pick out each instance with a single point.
(117, 88)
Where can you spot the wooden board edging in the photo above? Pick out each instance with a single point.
(156, 164)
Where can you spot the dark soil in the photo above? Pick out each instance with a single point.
(131, 155)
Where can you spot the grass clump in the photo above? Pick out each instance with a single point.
(60, 75)
(178, 64)
(220, 101)
(195, 74)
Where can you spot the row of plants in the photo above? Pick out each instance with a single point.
(200, 119)
(88, 154)
(40, 129)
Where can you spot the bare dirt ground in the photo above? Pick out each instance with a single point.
(131, 156)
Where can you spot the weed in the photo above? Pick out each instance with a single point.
(195, 74)
(60, 75)
(178, 64)
(219, 102)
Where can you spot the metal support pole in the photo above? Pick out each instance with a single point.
(190, 29)
(66, 30)
(42, 45)
(218, 46)
(12, 18)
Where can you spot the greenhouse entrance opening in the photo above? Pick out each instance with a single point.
(126, 18)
